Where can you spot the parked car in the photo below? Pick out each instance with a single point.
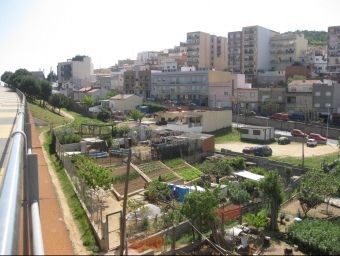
(283, 141)
(298, 133)
(263, 150)
(296, 117)
(248, 150)
(248, 113)
(311, 143)
(317, 137)
(280, 116)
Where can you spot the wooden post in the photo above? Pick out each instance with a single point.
(122, 234)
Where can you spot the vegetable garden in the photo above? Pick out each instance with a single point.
(182, 169)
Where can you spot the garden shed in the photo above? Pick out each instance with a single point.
(260, 134)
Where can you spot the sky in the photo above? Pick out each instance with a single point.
(38, 34)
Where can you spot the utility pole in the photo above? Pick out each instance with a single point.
(123, 220)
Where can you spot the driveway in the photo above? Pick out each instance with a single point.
(293, 149)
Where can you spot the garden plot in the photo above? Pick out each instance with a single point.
(184, 170)
(136, 182)
(155, 169)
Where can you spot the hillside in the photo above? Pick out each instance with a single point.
(313, 37)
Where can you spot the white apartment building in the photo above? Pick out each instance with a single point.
(256, 50)
(333, 62)
(74, 70)
(315, 58)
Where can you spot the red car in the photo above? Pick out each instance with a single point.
(316, 137)
(248, 150)
(298, 133)
(280, 116)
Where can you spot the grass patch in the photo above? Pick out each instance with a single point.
(309, 162)
(174, 162)
(88, 237)
(189, 174)
(46, 115)
(225, 135)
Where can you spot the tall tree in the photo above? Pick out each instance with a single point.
(271, 186)
(216, 167)
(201, 208)
(30, 86)
(6, 77)
(312, 191)
(52, 77)
(270, 106)
(46, 91)
(58, 100)
(136, 115)
(87, 101)
(16, 78)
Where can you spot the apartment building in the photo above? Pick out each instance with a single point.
(202, 87)
(325, 99)
(299, 93)
(75, 70)
(286, 49)
(235, 55)
(256, 50)
(315, 59)
(138, 81)
(207, 51)
(245, 99)
(333, 55)
(272, 94)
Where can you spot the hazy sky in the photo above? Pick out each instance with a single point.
(37, 34)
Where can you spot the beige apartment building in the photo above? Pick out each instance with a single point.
(207, 51)
(235, 55)
(138, 81)
(124, 102)
(286, 49)
(333, 62)
(255, 50)
(245, 99)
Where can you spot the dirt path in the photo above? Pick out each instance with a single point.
(74, 233)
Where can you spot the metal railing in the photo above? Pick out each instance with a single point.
(12, 188)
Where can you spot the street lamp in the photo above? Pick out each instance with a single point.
(238, 107)
(327, 124)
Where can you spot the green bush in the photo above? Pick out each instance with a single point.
(155, 107)
(318, 236)
(65, 135)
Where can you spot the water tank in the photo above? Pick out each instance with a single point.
(144, 109)
(182, 192)
(171, 186)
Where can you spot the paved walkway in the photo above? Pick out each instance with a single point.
(9, 105)
(56, 237)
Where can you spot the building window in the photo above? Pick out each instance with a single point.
(317, 93)
(328, 93)
(327, 105)
(244, 131)
(317, 105)
(256, 132)
(225, 93)
(293, 89)
(252, 94)
(279, 98)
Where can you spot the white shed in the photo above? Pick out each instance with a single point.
(257, 133)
